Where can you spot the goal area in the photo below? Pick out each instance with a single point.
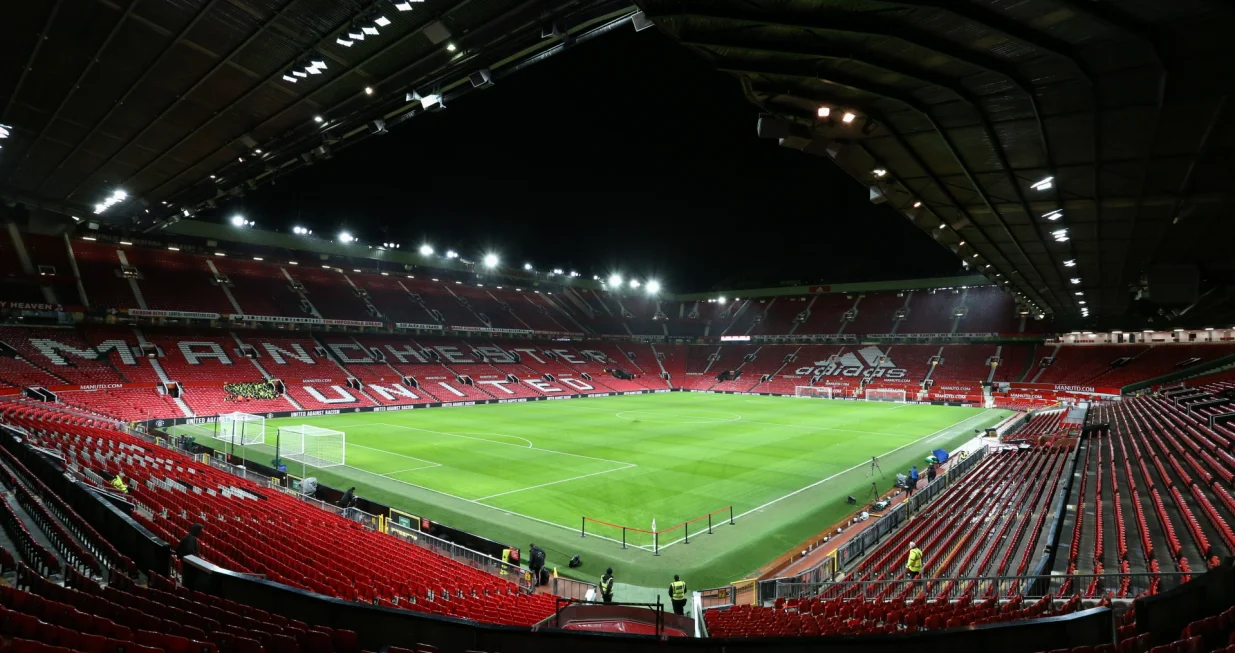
(241, 429)
(886, 394)
(312, 445)
(821, 391)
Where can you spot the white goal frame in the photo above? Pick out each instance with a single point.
(887, 394)
(817, 391)
(241, 429)
(313, 446)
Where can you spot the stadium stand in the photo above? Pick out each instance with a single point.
(260, 288)
(177, 281)
(100, 268)
(49, 257)
(930, 312)
(963, 363)
(826, 315)
(989, 310)
(875, 313)
(331, 292)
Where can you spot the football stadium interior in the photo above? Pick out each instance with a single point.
(225, 438)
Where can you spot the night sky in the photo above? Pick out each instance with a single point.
(627, 153)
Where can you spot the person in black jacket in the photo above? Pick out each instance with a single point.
(348, 498)
(188, 543)
(535, 561)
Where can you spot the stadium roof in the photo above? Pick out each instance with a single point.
(963, 106)
(179, 102)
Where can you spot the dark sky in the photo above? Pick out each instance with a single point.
(626, 153)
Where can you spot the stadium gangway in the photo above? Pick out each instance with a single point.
(950, 589)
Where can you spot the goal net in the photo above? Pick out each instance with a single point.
(813, 391)
(885, 394)
(312, 445)
(241, 429)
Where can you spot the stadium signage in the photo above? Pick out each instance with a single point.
(868, 362)
(279, 319)
(735, 338)
(188, 315)
(413, 325)
(31, 306)
(1071, 389)
(492, 330)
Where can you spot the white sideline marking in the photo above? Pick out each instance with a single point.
(575, 478)
(857, 466)
(429, 464)
(412, 469)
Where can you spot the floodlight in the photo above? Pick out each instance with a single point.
(1076, 281)
(213, 177)
(368, 90)
(289, 78)
(573, 273)
(318, 119)
(356, 36)
(847, 118)
(371, 31)
(426, 250)
(1079, 293)
(450, 47)
(125, 242)
(238, 220)
(720, 300)
(297, 230)
(173, 248)
(490, 260)
(615, 280)
(824, 112)
(1042, 184)
(1081, 302)
(634, 283)
(653, 287)
(403, 6)
(5, 130)
(917, 205)
(346, 237)
(1053, 215)
(258, 258)
(313, 70)
(450, 253)
(527, 266)
(1061, 235)
(344, 42)
(595, 277)
(299, 74)
(1070, 263)
(220, 254)
(879, 172)
(382, 21)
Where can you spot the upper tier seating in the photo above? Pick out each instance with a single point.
(964, 363)
(1015, 360)
(99, 266)
(930, 312)
(875, 313)
(989, 310)
(826, 315)
(177, 281)
(331, 293)
(49, 256)
(260, 288)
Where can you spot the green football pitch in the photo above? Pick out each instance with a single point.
(520, 473)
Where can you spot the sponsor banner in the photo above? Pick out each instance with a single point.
(188, 315)
(100, 386)
(279, 319)
(31, 306)
(1072, 389)
(492, 330)
(414, 325)
(570, 334)
(815, 290)
(735, 338)
(894, 336)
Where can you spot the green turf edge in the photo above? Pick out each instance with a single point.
(708, 561)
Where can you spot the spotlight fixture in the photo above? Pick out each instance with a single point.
(450, 47)
(1042, 184)
(879, 172)
(634, 283)
(824, 112)
(1076, 281)
(318, 119)
(527, 266)
(368, 90)
(848, 117)
(381, 21)
(450, 253)
(343, 42)
(653, 286)
(115, 198)
(1053, 215)
(615, 280)
(1070, 263)
(371, 31)
(426, 250)
(1060, 235)
(917, 205)
(490, 260)
(404, 5)
(238, 220)
(345, 237)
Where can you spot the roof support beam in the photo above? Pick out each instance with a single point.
(132, 87)
(34, 53)
(94, 59)
(182, 96)
(917, 106)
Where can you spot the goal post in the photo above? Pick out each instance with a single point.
(241, 429)
(821, 391)
(312, 445)
(886, 394)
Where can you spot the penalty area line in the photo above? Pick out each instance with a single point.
(929, 436)
(565, 480)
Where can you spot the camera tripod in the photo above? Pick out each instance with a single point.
(873, 493)
(874, 467)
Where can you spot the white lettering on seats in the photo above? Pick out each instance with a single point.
(541, 385)
(452, 354)
(340, 350)
(577, 384)
(530, 352)
(213, 350)
(403, 352)
(595, 355)
(495, 354)
(566, 355)
(297, 352)
(500, 385)
(52, 348)
(448, 387)
(388, 392)
(344, 397)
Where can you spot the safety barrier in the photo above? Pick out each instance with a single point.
(474, 559)
(619, 533)
(988, 586)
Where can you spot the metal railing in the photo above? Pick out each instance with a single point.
(474, 559)
(569, 588)
(1089, 585)
(868, 538)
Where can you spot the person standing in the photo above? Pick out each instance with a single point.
(188, 544)
(606, 586)
(914, 565)
(931, 472)
(913, 473)
(677, 594)
(535, 562)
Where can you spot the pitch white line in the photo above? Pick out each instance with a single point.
(519, 446)
(430, 466)
(565, 480)
(930, 436)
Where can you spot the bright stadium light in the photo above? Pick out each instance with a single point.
(403, 6)
(368, 90)
(382, 21)
(653, 287)
(1042, 184)
(848, 117)
(490, 260)
(318, 119)
(557, 270)
(824, 112)
(450, 253)
(238, 220)
(573, 274)
(1053, 215)
(720, 300)
(527, 266)
(112, 200)
(451, 47)
(879, 172)
(1070, 263)
(634, 283)
(615, 280)
(343, 42)
(426, 250)
(346, 237)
